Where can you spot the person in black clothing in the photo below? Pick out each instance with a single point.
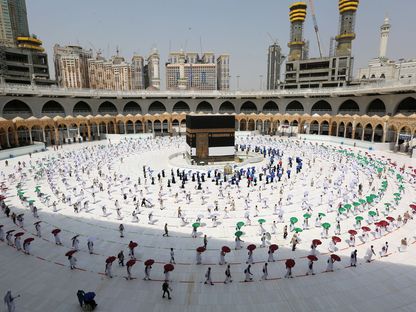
(120, 257)
(166, 288)
(166, 230)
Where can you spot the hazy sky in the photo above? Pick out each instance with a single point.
(237, 27)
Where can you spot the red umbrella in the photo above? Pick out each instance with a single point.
(391, 219)
(19, 234)
(316, 242)
(226, 249)
(149, 262)
(352, 232)
(132, 245)
(70, 253)
(251, 247)
(28, 240)
(131, 262)
(312, 258)
(335, 257)
(201, 249)
(2, 197)
(168, 267)
(56, 231)
(110, 259)
(290, 263)
(413, 206)
(336, 239)
(383, 223)
(274, 247)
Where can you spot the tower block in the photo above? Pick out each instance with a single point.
(347, 11)
(297, 15)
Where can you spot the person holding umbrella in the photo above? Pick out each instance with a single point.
(147, 270)
(310, 264)
(131, 246)
(1, 233)
(222, 257)
(208, 277)
(250, 257)
(330, 265)
(9, 237)
(26, 245)
(290, 263)
(129, 264)
(108, 265)
(166, 289)
(199, 255)
(228, 275)
(72, 261)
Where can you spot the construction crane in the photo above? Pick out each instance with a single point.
(315, 25)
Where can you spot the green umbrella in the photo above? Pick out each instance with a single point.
(321, 214)
(341, 210)
(261, 221)
(307, 215)
(372, 213)
(379, 170)
(240, 224)
(369, 199)
(238, 233)
(362, 201)
(356, 204)
(372, 195)
(397, 194)
(397, 198)
(387, 204)
(31, 201)
(20, 193)
(348, 206)
(359, 218)
(293, 220)
(298, 230)
(326, 225)
(401, 187)
(196, 225)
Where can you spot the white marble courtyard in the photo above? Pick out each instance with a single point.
(329, 176)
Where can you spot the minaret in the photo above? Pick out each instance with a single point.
(347, 11)
(297, 15)
(385, 31)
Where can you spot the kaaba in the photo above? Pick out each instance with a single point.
(210, 138)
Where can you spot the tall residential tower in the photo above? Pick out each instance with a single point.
(274, 61)
(347, 10)
(297, 17)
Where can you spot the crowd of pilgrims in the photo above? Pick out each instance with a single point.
(91, 180)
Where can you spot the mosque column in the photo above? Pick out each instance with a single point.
(106, 128)
(7, 138)
(239, 124)
(319, 128)
(43, 134)
(362, 135)
(78, 132)
(337, 129)
(153, 127)
(372, 134)
(16, 138)
(98, 129)
(56, 135)
(89, 133)
(134, 128)
(125, 128)
(143, 127)
(30, 136)
(345, 130)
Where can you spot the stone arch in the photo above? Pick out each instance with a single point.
(16, 108)
(270, 107)
(295, 107)
(23, 135)
(324, 128)
(37, 133)
(129, 127)
(82, 108)
(138, 126)
(334, 129)
(157, 108)
(349, 107)
(132, 108)
(227, 107)
(358, 131)
(180, 107)
(314, 127)
(341, 129)
(243, 125)
(322, 107)
(406, 106)
(376, 107)
(378, 133)
(107, 108)
(368, 132)
(204, 107)
(248, 107)
(348, 130)
(52, 109)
